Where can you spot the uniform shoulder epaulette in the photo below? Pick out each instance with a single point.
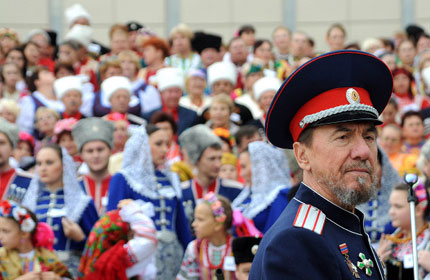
(186, 184)
(231, 183)
(310, 217)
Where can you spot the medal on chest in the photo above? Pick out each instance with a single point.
(365, 264)
(345, 252)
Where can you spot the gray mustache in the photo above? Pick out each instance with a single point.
(361, 165)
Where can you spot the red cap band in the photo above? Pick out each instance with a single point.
(325, 101)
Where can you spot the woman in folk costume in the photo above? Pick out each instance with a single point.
(122, 244)
(140, 178)
(184, 58)
(56, 197)
(266, 171)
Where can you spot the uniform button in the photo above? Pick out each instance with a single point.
(52, 195)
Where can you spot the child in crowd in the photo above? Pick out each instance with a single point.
(206, 257)
(244, 250)
(228, 167)
(63, 137)
(396, 249)
(27, 246)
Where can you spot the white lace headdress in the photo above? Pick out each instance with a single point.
(75, 199)
(270, 174)
(138, 168)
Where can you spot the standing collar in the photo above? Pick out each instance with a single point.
(341, 217)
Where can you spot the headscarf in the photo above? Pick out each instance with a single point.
(270, 174)
(107, 231)
(138, 168)
(75, 199)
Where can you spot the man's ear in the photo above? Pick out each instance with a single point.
(301, 152)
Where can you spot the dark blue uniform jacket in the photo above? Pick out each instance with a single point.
(304, 242)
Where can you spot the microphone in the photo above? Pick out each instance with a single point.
(411, 179)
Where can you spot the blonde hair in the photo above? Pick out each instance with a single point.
(120, 28)
(183, 29)
(281, 27)
(223, 99)
(129, 54)
(42, 110)
(11, 106)
(187, 81)
(370, 43)
(104, 66)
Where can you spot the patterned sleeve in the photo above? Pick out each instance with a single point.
(189, 267)
(50, 262)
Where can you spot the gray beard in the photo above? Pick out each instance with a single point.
(347, 197)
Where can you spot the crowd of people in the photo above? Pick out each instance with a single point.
(147, 159)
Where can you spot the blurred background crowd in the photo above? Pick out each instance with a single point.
(167, 120)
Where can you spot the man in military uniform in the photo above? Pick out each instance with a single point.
(327, 111)
(13, 183)
(94, 138)
(203, 149)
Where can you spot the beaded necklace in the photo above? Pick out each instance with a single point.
(202, 250)
(397, 238)
(206, 251)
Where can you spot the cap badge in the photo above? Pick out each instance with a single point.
(95, 128)
(254, 249)
(352, 96)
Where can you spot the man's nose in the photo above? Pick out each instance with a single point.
(361, 149)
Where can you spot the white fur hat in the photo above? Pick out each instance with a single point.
(222, 71)
(81, 34)
(112, 84)
(170, 77)
(75, 12)
(264, 84)
(34, 32)
(63, 85)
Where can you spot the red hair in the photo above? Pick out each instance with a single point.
(159, 44)
(401, 70)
